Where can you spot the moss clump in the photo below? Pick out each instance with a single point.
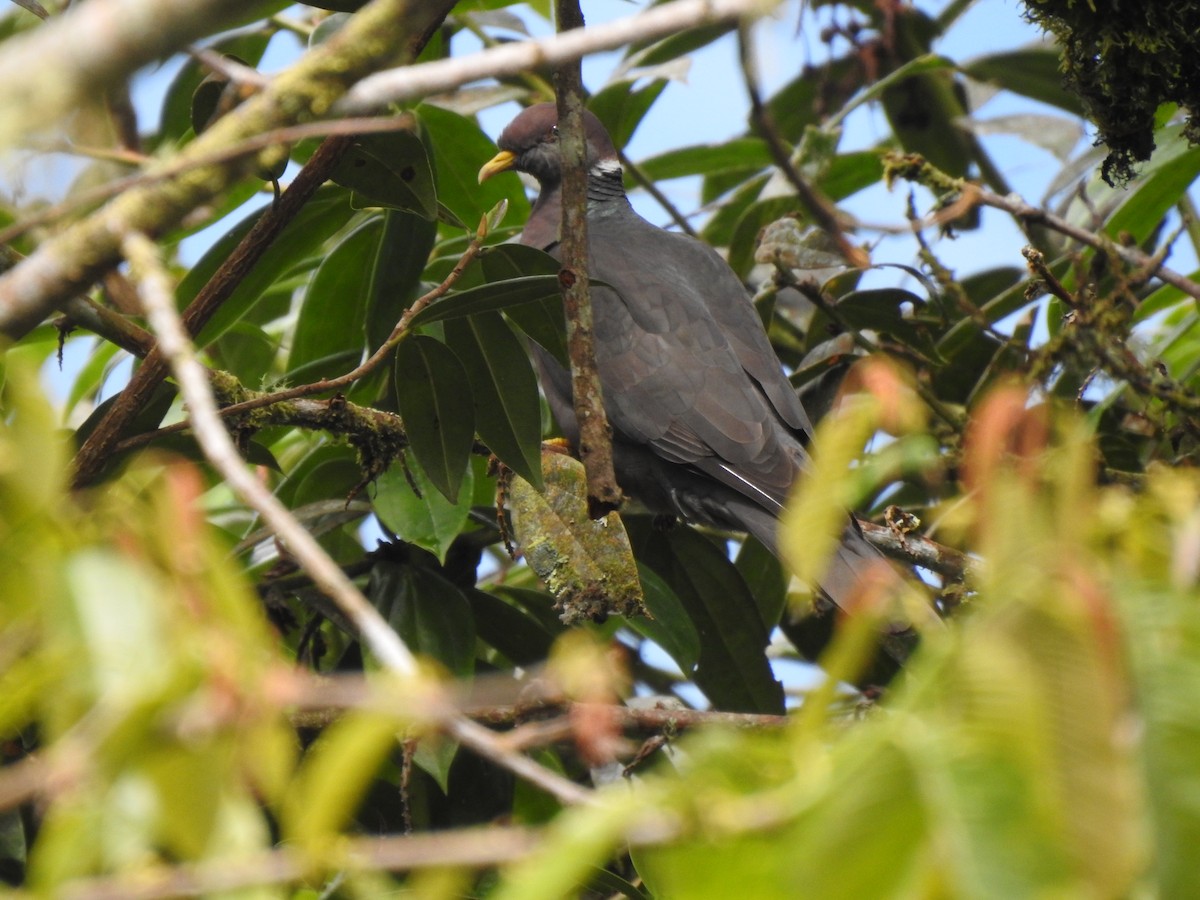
(1125, 58)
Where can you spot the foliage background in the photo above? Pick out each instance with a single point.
(184, 712)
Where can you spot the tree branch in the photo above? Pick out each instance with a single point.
(595, 434)
(90, 459)
(916, 549)
(92, 46)
(69, 262)
(818, 209)
(413, 82)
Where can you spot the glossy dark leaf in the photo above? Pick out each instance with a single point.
(458, 149)
(539, 605)
(667, 622)
(541, 320)
(509, 629)
(395, 280)
(427, 611)
(319, 219)
(490, 298)
(733, 670)
(389, 169)
(508, 413)
(246, 351)
(176, 120)
(334, 306)
(434, 394)
(505, 261)
(891, 311)
(766, 579)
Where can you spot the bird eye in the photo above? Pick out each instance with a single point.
(553, 132)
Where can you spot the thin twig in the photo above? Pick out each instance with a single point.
(916, 549)
(474, 847)
(595, 433)
(413, 82)
(272, 138)
(819, 210)
(916, 169)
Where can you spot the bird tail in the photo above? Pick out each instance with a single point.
(855, 564)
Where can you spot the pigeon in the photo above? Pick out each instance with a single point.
(706, 425)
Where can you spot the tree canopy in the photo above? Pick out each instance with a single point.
(299, 597)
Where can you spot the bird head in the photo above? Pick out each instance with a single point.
(530, 144)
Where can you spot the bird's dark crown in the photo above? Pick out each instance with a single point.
(533, 138)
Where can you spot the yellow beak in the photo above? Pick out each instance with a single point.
(501, 162)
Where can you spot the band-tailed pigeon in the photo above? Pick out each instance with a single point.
(705, 424)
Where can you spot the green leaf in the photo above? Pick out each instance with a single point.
(459, 148)
(176, 118)
(766, 579)
(520, 637)
(245, 351)
(736, 155)
(732, 670)
(799, 103)
(883, 309)
(718, 231)
(849, 173)
(621, 107)
(395, 281)
(1034, 72)
(667, 622)
(329, 472)
(542, 320)
(316, 222)
(389, 169)
(508, 413)
(490, 298)
(333, 312)
(506, 261)
(434, 395)
(586, 563)
(676, 45)
(1172, 169)
(429, 613)
(429, 520)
